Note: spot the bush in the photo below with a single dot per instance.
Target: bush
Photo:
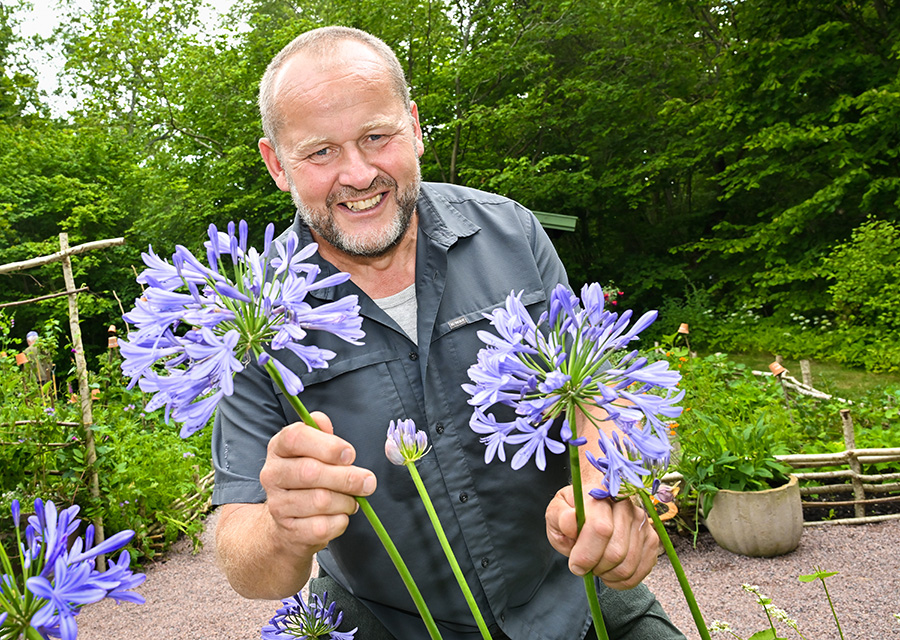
(865, 289)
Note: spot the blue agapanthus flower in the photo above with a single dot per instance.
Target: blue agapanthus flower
(573, 358)
(59, 579)
(202, 326)
(297, 619)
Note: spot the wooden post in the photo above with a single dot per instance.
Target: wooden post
(806, 373)
(84, 391)
(859, 493)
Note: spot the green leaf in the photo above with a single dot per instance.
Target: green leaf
(818, 575)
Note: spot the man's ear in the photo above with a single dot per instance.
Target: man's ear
(417, 129)
(273, 164)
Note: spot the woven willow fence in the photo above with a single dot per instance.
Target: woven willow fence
(864, 489)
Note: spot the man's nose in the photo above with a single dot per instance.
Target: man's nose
(357, 170)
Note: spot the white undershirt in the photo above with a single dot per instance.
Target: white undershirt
(402, 308)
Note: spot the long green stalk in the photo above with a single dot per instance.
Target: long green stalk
(831, 604)
(445, 545)
(676, 564)
(389, 546)
(373, 519)
(590, 586)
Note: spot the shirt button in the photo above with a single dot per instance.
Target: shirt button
(485, 561)
(502, 617)
(463, 496)
(413, 355)
(439, 427)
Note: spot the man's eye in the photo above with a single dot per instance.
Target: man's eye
(321, 153)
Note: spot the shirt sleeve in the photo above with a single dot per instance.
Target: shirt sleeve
(547, 259)
(244, 424)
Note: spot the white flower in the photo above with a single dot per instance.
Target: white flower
(718, 626)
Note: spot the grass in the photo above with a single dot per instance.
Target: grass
(826, 376)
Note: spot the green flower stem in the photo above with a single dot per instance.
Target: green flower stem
(401, 568)
(590, 587)
(831, 604)
(676, 564)
(32, 634)
(366, 508)
(445, 545)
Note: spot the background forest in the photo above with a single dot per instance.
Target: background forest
(733, 163)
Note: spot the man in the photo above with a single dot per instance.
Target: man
(38, 364)
(427, 261)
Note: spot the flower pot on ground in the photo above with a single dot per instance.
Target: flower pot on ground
(758, 523)
(735, 454)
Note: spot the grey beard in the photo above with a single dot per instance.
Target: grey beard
(323, 222)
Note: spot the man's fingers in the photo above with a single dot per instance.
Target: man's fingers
(562, 525)
(314, 531)
(309, 473)
(297, 505)
(302, 457)
(299, 440)
(632, 553)
(594, 539)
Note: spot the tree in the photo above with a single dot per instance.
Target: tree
(806, 113)
(18, 86)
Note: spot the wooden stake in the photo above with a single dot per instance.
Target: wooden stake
(869, 519)
(84, 391)
(60, 255)
(850, 442)
(41, 298)
(806, 373)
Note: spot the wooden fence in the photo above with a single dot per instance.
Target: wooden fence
(866, 489)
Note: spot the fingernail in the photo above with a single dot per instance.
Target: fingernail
(346, 456)
(369, 485)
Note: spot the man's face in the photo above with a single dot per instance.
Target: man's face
(348, 150)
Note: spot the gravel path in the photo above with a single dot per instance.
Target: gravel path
(187, 597)
(866, 592)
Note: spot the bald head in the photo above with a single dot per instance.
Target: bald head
(323, 48)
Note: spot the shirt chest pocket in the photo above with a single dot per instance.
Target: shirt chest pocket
(361, 393)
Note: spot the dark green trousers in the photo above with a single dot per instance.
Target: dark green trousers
(627, 615)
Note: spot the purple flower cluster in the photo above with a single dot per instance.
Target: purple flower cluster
(60, 579)
(579, 363)
(206, 334)
(296, 619)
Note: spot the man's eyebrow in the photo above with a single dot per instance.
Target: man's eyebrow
(380, 123)
(311, 142)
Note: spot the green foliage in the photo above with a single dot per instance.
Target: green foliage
(731, 430)
(865, 289)
(147, 472)
(717, 452)
(721, 149)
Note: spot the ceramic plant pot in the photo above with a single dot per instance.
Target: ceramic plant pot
(758, 523)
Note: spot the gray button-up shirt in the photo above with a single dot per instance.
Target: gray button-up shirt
(473, 249)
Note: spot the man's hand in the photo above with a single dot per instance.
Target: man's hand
(266, 549)
(618, 543)
(310, 484)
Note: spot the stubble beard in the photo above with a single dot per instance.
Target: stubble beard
(370, 245)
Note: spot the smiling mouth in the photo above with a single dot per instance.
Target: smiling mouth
(363, 205)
